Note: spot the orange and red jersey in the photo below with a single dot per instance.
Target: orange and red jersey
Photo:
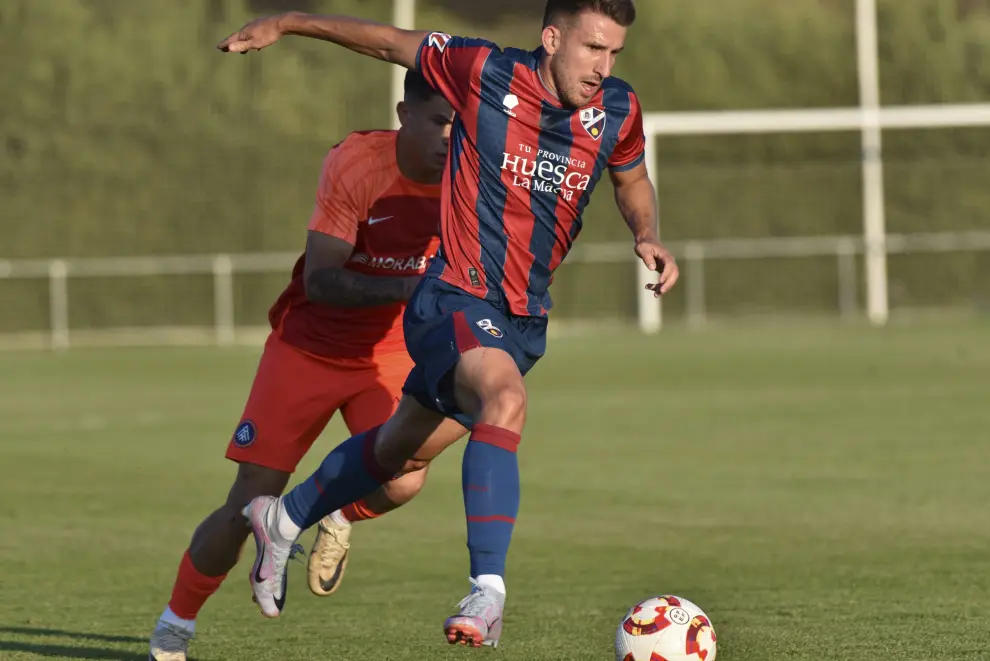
(393, 224)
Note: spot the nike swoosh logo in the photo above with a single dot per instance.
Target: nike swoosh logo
(257, 571)
(328, 585)
(372, 221)
(280, 602)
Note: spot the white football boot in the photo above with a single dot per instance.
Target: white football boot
(269, 573)
(169, 642)
(479, 621)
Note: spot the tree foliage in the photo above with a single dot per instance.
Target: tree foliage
(123, 131)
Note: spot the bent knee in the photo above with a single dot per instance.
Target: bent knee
(404, 434)
(506, 407)
(404, 488)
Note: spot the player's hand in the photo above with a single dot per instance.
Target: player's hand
(658, 258)
(258, 34)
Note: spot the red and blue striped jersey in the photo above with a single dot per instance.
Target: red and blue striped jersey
(520, 169)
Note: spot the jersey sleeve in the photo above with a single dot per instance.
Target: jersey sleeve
(450, 65)
(631, 148)
(341, 198)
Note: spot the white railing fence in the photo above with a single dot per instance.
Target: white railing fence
(692, 255)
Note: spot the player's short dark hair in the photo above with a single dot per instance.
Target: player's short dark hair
(416, 89)
(622, 12)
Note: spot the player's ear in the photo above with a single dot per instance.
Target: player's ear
(402, 110)
(551, 39)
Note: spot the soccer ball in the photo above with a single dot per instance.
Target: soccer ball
(665, 628)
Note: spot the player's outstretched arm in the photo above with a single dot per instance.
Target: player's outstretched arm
(384, 42)
(328, 282)
(637, 202)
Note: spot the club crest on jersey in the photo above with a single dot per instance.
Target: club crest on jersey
(593, 121)
(245, 434)
(487, 326)
(439, 40)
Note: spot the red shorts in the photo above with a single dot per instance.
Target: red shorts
(296, 393)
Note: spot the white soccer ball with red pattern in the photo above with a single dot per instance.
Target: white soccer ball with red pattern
(665, 628)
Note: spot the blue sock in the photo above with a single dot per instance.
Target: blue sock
(490, 479)
(349, 473)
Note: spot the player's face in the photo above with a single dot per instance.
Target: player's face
(427, 125)
(583, 52)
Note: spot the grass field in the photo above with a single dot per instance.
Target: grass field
(823, 492)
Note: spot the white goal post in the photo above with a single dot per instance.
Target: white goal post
(403, 16)
(870, 122)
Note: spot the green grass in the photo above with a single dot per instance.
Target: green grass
(822, 492)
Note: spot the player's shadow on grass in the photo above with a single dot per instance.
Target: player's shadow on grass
(69, 651)
(66, 652)
(36, 631)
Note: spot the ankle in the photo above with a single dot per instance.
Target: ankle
(169, 617)
(493, 581)
(287, 528)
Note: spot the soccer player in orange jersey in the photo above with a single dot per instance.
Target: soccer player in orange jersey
(336, 344)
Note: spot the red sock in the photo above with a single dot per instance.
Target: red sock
(192, 589)
(359, 511)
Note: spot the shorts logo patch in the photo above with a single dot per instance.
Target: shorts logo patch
(245, 434)
(439, 40)
(487, 326)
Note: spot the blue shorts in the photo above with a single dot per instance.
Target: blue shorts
(442, 322)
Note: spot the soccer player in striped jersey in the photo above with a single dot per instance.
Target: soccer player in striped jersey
(533, 134)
